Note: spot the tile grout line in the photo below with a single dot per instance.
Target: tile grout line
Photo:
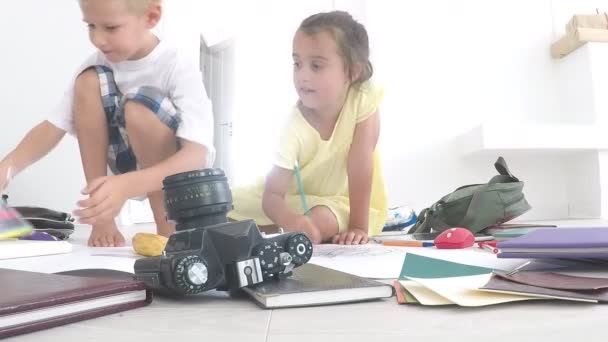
(268, 326)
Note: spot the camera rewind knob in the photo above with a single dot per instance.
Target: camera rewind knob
(191, 274)
(299, 247)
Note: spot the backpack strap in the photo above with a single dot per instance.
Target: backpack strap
(422, 222)
(504, 176)
(474, 207)
(427, 220)
(503, 169)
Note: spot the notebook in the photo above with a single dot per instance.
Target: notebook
(511, 230)
(512, 233)
(11, 249)
(34, 301)
(312, 285)
(588, 242)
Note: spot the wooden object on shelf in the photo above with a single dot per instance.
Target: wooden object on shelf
(576, 39)
(593, 21)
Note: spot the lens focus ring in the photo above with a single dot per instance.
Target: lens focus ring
(197, 198)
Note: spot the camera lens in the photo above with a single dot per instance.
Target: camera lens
(196, 199)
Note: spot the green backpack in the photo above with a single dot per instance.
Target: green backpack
(476, 206)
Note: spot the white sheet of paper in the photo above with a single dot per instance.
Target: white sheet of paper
(369, 261)
(116, 258)
(11, 249)
(83, 256)
(385, 262)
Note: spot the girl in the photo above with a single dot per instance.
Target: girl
(326, 180)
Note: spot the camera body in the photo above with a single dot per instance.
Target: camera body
(208, 252)
(225, 257)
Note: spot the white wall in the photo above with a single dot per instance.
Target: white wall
(42, 43)
(451, 65)
(264, 93)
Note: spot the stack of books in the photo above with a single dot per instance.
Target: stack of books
(34, 301)
(554, 263)
(558, 243)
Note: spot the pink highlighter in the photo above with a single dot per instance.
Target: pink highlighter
(12, 225)
(454, 238)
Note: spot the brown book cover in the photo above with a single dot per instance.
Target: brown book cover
(558, 281)
(32, 301)
(498, 283)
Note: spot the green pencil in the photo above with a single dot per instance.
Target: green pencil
(301, 189)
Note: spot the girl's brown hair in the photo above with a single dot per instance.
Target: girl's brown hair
(350, 36)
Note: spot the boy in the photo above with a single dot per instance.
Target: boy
(136, 106)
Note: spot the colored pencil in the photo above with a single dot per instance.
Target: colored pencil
(408, 243)
(301, 189)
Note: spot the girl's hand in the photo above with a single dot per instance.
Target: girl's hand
(353, 236)
(107, 195)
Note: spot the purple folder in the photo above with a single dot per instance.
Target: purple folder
(567, 243)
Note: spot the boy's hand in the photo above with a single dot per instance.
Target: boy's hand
(6, 175)
(107, 195)
(353, 236)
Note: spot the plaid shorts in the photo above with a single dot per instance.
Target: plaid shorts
(121, 158)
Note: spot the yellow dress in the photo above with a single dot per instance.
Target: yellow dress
(323, 166)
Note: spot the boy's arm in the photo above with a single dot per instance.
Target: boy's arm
(360, 172)
(37, 143)
(274, 206)
(108, 194)
(190, 156)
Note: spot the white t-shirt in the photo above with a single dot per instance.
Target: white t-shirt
(175, 75)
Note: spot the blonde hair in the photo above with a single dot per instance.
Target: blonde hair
(350, 36)
(136, 6)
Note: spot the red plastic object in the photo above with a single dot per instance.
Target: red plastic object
(454, 238)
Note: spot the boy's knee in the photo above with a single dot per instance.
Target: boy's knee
(139, 116)
(134, 111)
(149, 103)
(87, 81)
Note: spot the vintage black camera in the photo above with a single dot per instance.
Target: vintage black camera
(208, 252)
